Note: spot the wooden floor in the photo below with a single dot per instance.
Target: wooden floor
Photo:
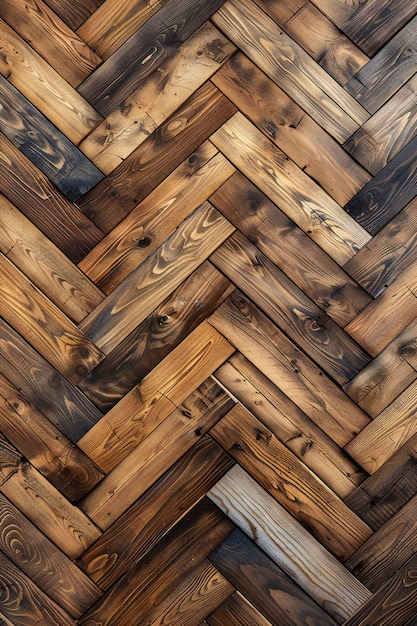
(208, 311)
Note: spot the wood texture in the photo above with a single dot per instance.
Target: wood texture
(208, 314)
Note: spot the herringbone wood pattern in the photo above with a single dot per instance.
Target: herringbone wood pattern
(208, 341)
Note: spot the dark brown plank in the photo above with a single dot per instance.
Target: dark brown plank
(65, 406)
(163, 330)
(274, 594)
(237, 611)
(32, 193)
(144, 51)
(175, 140)
(152, 578)
(144, 524)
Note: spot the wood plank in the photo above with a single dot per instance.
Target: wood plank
(50, 332)
(114, 22)
(386, 376)
(45, 265)
(390, 488)
(38, 25)
(275, 595)
(156, 218)
(262, 343)
(338, 11)
(394, 603)
(374, 23)
(44, 563)
(37, 198)
(62, 522)
(176, 140)
(62, 463)
(152, 457)
(65, 406)
(44, 145)
(318, 36)
(74, 12)
(305, 323)
(290, 482)
(237, 611)
(146, 108)
(378, 441)
(290, 425)
(134, 61)
(24, 602)
(160, 333)
(392, 66)
(185, 606)
(380, 139)
(152, 578)
(388, 254)
(301, 199)
(282, 120)
(44, 87)
(162, 272)
(152, 515)
(262, 222)
(291, 68)
(387, 550)
(289, 544)
(387, 193)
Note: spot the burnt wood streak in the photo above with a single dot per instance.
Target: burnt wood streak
(208, 313)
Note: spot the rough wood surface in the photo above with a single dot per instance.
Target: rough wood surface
(208, 313)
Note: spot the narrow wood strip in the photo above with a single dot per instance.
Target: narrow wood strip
(290, 482)
(378, 441)
(45, 265)
(287, 64)
(301, 199)
(162, 272)
(305, 323)
(44, 145)
(152, 578)
(24, 603)
(49, 331)
(288, 368)
(134, 61)
(176, 140)
(290, 425)
(157, 396)
(387, 550)
(290, 128)
(74, 12)
(390, 488)
(374, 23)
(44, 563)
(380, 139)
(62, 463)
(394, 603)
(387, 193)
(149, 106)
(152, 515)
(265, 585)
(392, 66)
(114, 22)
(289, 544)
(157, 452)
(37, 198)
(153, 340)
(386, 376)
(237, 611)
(145, 229)
(65, 406)
(388, 254)
(262, 222)
(198, 595)
(44, 87)
(38, 25)
(62, 522)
